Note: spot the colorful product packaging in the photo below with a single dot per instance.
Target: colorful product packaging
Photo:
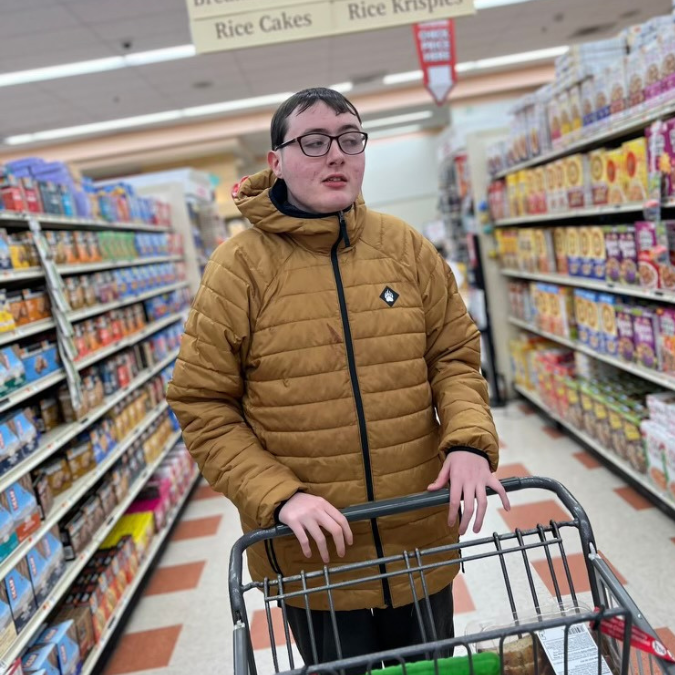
(608, 324)
(652, 251)
(612, 254)
(645, 331)
(629, 257)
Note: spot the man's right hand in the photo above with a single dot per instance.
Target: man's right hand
(309, 515)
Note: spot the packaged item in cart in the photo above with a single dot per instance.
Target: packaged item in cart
(24, 507)
(655, 441)
(629, 257)
(635, 170)
(613, 254)
(20, 594)
(64, 637)
(608, 324)
(577, 181)
(652, 250)
(599, 181)
(645, 331)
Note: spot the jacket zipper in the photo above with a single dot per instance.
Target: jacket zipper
(356, 389)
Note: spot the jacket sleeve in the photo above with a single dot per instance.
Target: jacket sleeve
(207, 388)
(453, 360)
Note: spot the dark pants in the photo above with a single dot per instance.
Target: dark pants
(365, 631)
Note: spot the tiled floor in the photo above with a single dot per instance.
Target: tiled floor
(182, 624)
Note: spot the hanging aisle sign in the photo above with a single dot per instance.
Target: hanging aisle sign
(435, 41)
(220, 25)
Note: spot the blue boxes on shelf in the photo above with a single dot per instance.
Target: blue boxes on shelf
(20, 595)
(64, 636)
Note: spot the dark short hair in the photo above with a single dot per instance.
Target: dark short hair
(304, 100)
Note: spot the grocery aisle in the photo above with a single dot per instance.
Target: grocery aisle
(182, 622)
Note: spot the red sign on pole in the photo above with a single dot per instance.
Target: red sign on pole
(435, 41)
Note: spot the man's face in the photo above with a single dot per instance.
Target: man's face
(308, 178)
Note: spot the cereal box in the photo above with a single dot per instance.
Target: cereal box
(561, 185)
(587, 102)
(560, 247)
(540, 203)
(512, 195)
(635, 76)
(653, 80)
(593, 314)
(585, 252)
(602, 91)
(532, 206)
(635, 170)
(573, 251)
(645, 332)
(616, 83)
(581, 310)
(667, 40)
(598, 253)
(629, 259)
(523, 192)
(576, 119)
(652, 250)
(526, 250)
(660, 159)
(666, 338)
(655, 448)
(608, 326)
(577, 181)
(554, 122)
(561, 304)
(543, 247)
(599, 183)
(615, 176)
(613, 254)
(550, 188)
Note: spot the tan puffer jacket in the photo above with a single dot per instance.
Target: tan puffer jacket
(313, 358)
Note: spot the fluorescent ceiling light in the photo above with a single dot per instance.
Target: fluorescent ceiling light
(399, 131)
(342, 87)
(144, 120)
(97, 65)
(400, 78)
(398, 119)
(491, 4)
(481, 64)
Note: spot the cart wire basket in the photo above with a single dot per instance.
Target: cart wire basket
(526, 630)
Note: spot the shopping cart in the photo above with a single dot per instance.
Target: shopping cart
(609, 618)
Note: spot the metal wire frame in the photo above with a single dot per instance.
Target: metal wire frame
(607, 593)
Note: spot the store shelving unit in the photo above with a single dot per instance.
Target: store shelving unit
(617, 464)
(154, 551)
(663, 380)
(74, 568)
(50, 443)
(597, 136)
(591, 212)
(591, 284)
(88, 312)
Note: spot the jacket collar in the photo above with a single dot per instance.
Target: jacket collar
(263, 200)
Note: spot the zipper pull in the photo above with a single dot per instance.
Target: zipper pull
(343, 229)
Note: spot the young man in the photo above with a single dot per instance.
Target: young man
(319, 348)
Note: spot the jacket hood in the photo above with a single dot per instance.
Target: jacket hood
(261, 198)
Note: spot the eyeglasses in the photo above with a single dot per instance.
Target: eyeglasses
(318, 145)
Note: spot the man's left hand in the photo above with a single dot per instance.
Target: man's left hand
(469, 475)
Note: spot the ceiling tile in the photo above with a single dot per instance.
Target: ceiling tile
(36, 21)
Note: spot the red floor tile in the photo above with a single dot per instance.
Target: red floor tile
(197, 527)
(205, 492)
(552, 432)
(145, 650)
(512, 471)
(634, 498)
(175, 578)
(526, 409)
(578, 572)
(587, 460)
(528, 516)
(461, 596)
(260, 634)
